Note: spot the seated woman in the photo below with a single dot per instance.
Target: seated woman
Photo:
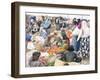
(70, 56)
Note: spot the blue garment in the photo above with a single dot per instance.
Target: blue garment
(46, 24)
(28, 37)
(43, 34)
(75, 43)
(33, 17)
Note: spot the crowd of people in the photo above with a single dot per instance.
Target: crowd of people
(57, 40)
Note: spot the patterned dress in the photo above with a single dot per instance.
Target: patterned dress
(84, 50)
(85, 47)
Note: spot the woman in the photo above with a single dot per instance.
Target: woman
(84, 37)
(75, 42)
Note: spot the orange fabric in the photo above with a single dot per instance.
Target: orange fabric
(55, 50)
(69, 34)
